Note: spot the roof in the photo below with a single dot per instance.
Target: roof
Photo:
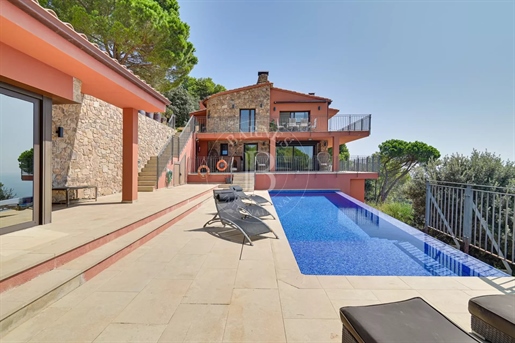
(49, 19)
(236, 90)
(303, 94)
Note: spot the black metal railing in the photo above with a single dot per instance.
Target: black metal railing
(474, 216)
(212, 161)
(233, 124)
(351, 122)
(295, 163)
(186, 133)
(371, 164)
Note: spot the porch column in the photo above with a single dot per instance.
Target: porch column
(272, 153)
(130, 155)
(336, 153)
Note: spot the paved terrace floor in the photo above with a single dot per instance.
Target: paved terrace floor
(188, 285)
(81, 223)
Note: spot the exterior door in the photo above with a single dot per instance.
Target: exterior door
(249, 154)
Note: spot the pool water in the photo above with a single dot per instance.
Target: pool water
(333, 234)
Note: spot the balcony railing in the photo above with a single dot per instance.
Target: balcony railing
(370, 164)
(350, 123)
(295, 163)
(233, 124)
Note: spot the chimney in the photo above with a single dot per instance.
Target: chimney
(262, 77)
(311, 93)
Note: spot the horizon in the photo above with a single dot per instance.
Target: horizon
(449, 85)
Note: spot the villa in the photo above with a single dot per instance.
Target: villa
(278, 139)
(148, 266)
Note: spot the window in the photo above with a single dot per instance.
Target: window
(284, 117)
(248, 120)
(224, 149)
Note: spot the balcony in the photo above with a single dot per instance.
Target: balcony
(352, 122)
(233, 125)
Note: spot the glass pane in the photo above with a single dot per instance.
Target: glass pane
(17, 161)
(244, 120)
(250, 153)
(284, 117)
(252, 121)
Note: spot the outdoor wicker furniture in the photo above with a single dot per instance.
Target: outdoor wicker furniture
(411, 320)
(493, 317)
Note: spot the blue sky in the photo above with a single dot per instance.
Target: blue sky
(441, 72)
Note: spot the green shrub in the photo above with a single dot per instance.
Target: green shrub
(399, 210)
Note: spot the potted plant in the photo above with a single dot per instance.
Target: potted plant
(169, 177)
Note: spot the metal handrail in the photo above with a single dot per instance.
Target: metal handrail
(163, 158)
(370, 164)
(350, 123)
(186, 133)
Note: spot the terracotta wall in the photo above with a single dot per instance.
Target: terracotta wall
(321, 114)
(350, 183)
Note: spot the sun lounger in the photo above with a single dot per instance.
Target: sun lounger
(411, 320)
(493, 317)
(252, 208)
(232, 215)
(252, 197)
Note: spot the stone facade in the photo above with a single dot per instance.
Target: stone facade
(223, 111)
(90, 153)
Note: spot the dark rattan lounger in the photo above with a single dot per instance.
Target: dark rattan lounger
(493, 317)
(412, 320)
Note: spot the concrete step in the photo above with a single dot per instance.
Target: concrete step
(146, 183)
(148, 173)
(147, 177)
(25, 301)
(146, 188)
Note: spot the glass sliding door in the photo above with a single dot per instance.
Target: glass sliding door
(297, 157)
(18, 176)
(247, 120)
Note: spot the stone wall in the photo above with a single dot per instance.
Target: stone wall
(91, 150)
(222, 117)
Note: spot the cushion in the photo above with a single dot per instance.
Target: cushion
(497, 310)
(226, 196)
(412, 320)
(237, 188)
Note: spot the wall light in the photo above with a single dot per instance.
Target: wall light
(60, 132)
(274, 108)
(319, 108)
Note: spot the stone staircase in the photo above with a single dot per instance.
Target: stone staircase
(245, 180)
(147, 177)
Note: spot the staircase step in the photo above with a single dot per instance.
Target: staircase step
(146, 188)
(147, 177)
(25, 301)
(151, 183)
(148, 173)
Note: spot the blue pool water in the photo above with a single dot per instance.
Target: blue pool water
(333, 234)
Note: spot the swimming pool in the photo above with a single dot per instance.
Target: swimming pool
(331, 233)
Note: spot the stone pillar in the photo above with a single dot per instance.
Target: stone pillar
(272, 153)
(336, 153)
(130, 155)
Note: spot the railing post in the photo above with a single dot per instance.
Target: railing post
(428, 207)
(467, 219)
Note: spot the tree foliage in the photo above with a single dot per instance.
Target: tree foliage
(6, 193)
(201, 88)
(182, 104)
(185, 98)
(147, 36)
(398, 158)
(343, 154)
(26, 161)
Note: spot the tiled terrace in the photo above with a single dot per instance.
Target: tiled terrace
(187, 285)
